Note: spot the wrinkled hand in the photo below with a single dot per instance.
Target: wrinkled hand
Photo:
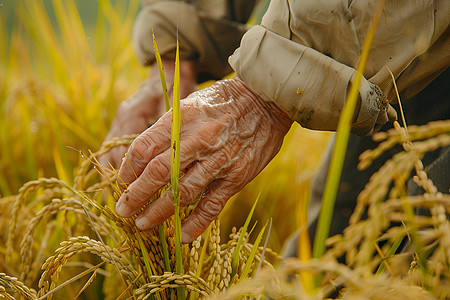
(228, 135)
(146, 106)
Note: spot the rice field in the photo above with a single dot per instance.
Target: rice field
(61, 80)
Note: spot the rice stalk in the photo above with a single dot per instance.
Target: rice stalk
(173, 280)
(47, 211)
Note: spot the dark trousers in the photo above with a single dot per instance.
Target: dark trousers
(432, 103)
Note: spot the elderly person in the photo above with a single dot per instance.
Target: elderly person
(296, 66)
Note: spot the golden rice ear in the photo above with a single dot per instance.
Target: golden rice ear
(72, 207)
(16, 286)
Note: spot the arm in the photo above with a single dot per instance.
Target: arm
(233, 129)
(304, 55)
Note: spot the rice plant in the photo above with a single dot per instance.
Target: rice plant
(141, 264)
(73, 209)
(393, 253)
(60, 237)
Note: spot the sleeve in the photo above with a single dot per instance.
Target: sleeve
(304, 56)
(208, 32)
(308, 85)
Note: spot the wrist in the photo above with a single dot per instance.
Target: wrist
(282, 118)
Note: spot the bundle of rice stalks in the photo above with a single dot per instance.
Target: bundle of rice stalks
(396, 246)
(134, 263)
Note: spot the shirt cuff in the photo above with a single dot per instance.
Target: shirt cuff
(308, 85)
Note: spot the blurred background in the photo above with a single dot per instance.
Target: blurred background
(64, 68)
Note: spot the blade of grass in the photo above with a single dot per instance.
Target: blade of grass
(146, 260)
(304, 242)
(161, 73)
(175, 168)
(265, 246)
(88, 283)
(340, 148)
(164, 248)
(235, 256)
(249, 261)
(145, 256)
(390, 252)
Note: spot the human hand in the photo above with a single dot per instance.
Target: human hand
(228, 135)
(146, 106)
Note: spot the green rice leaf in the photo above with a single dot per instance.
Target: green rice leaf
(390, 252)
(161, 73)
(146, 259)
(249, 262)
(164, 248)
(175, 168)
(235, 256)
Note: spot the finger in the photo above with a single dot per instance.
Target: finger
(154, 177)
(208, 208)
(392, 114)
(190, 186)
(144, 148)
(156, 173)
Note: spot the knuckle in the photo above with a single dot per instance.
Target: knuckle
(137, 197)
(160, 214)
(139, 149)
(211, 209)
(188, 193)
(160, 169)
(215, 164)
(201, 222)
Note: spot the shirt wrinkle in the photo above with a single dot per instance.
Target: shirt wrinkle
(403, 41)
(318, 41)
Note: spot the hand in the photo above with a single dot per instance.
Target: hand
(228, 135)
(146, 106)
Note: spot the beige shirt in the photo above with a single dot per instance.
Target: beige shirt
(208, 31)
(304, 54)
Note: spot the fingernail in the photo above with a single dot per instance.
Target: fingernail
(123, 209)
(143, 223)
(186, 238)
